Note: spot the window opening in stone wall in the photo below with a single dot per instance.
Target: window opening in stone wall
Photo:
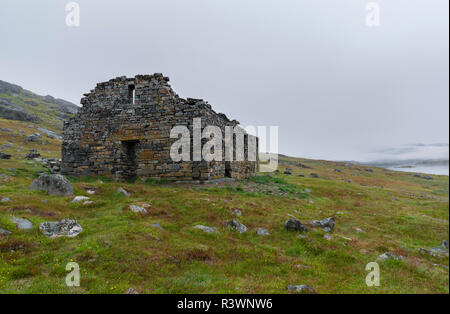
(131, 94)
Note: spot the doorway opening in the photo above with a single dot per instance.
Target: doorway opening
(227, 169)
(129, 156)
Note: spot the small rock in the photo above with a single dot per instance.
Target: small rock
(327, 236)
(5, 200)
(206, 229)
(302, 236)
(307, 190)
(237, 212)
(131, 291)
(22, 223)
(88, 203)
(4, 232)
(90, 192)
(156, 225)
(295, 225)
(444, 244)
(234, 224)
(78, 199)
(137, 209)
(359, 230)
(66, 227)
(388, 255)
(301, 289)
(123, 192)
(262, 232)
(5, 156)
(313, 175)
(32, 154)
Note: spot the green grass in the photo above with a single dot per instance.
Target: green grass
(119, 249)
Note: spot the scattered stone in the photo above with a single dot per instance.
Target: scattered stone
(5, 200)
(65, 227)
(313, 175)
(156, 225)
(123, 192)
(288, 171)
(326, 224)
(22, 223)
(262, 232)
(295, 225)
(86, 203)
(234, 224)
(327, 236)
(301, 289)
(36, 137)
(53, 184)
(90, 192)
(359, 230)
(5, 156)
(350, 181)
(388, 255)
(78, 199)
(302, 236)
(32, 154)
(337, 170)
(368, 170)
(237, 212)
(307, 190)
(444, 244)
(4, 232)
(131, 291)
(137, 209)
(206, 229)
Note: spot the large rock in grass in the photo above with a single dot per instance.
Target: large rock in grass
(295, 225)
(22, 223)
(234, 224)
(53, 184)
(63, 228)
(326, 224)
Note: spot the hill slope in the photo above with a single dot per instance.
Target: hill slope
(161, 252)
(23, 113)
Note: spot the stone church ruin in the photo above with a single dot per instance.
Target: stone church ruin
(123, 130)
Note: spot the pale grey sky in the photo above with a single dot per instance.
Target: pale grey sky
(335, 87)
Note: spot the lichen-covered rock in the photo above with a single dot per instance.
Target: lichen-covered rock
(387, 256)
(262, 232)
(53, 184)
(66, 227)
(234, 224)
(78, 199)
(301, 289)
(4, 232)
(326, 224)
(124, 192)
(206, 229)
(295, 225)
(137, 209)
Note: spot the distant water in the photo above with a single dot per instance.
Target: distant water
(423, 158)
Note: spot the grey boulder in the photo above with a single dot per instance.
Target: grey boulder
(53, 184)
(326, 224)
(22, 223)
(234, 224)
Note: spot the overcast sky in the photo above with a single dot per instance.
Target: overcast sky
(335, 87)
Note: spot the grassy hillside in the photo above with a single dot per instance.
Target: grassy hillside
(162, 252)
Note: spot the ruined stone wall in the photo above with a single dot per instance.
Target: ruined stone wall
(123, 130)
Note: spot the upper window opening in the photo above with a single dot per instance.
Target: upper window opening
(131, 94)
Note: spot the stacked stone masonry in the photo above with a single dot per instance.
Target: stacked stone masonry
(123, 131)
